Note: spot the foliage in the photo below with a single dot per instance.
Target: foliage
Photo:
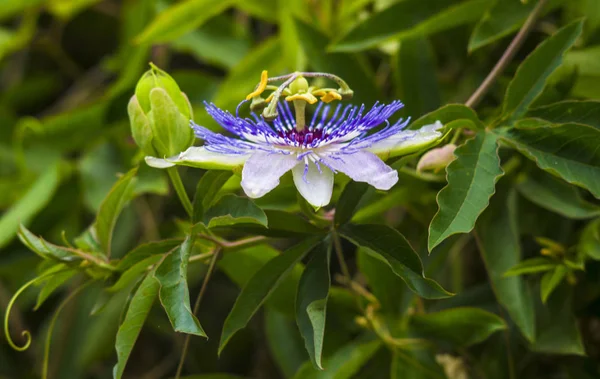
(489, 271)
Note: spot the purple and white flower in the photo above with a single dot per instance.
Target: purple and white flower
(344, 139)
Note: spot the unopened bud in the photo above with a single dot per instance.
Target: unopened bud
(437, 159)
(160, 114)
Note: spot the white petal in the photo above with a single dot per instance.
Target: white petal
(202, 158)
(364, 166)
(408, 141)
(158, 163)
(316, 187)
(262, 171)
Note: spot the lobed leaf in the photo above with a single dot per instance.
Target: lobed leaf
(311, 301)
(174, 293)
(111, 208)
(206, 191)
(260, 287)
(472, 178)
(344, 363)
(568, 151)
(391, 247)
(138, 310)
(557, 196)
(497, 236)
(569, 111)
(530, 79)
(459, 326)
(231, 209)
(410, 18)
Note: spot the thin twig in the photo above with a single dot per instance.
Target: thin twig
(337, 245)
(507, 56)
(211, 268)
(227, 245)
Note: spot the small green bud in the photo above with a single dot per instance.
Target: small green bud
(157, 78)
(160, 114)
(170, 128)
(140, 126)
(300, 85)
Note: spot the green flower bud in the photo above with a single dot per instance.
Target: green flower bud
(140, 127)
(160, 114)
(157, 78)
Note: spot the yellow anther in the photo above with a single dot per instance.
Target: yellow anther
(261, 86)
(268, 99)
(308, 97)
(331, 96)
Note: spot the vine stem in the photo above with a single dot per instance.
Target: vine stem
(508, 55)
(186, 343)
(72, 295)
(178, 185)
(337, 245)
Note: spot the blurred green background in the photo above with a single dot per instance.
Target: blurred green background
(69, 67)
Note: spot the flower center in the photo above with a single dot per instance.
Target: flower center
(304, 137)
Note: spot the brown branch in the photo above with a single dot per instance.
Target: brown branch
(507, 56)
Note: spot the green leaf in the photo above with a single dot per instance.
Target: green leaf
(386, 286)
(217, 42)
(54, 282)
(138, 310)
(447, 114)
(347, 66)
(409, 18)
(501, 19)
(589, 243)
(472, 178)
(146, 250)
(531, 266)
(415, 364)
(392, 248)
(260, 287)
(231, 210)
(557, 328)
(284, 224)
(344, 364)
(32, 202)
(557, 196)
(206, 191)
(284, 341)
(348, 202)
(551, 280)
(181, 18)
(460, 326)
(565, 150)
(569, 111)
(134, 272)
(48, 250)
(240, 266)
(530, 78)
(311, 301)
(174, 293)
(111, 208)
(497, 236)
(415, 74)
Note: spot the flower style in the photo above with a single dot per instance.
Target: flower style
(349, 140)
